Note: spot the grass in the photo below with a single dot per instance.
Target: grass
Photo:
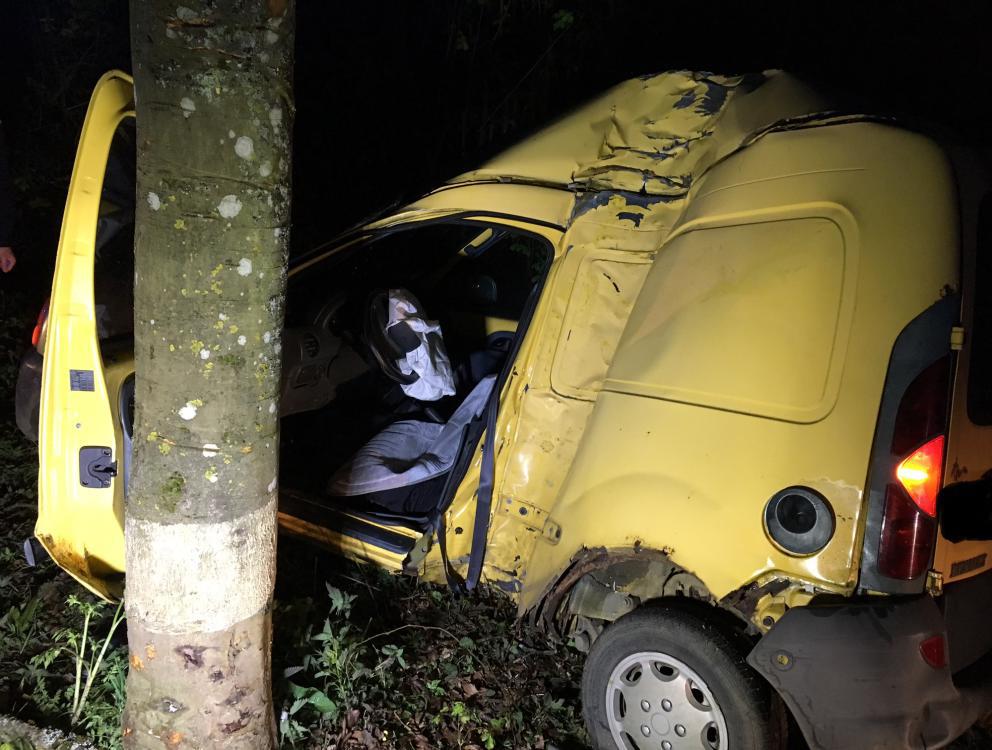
(385, 662)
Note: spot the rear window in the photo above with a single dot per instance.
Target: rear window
(980, 374)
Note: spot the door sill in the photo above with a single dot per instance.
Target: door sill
(353, 533)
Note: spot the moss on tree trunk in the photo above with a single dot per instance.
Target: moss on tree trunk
(213, 87)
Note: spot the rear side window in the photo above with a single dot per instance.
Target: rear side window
(980, 374)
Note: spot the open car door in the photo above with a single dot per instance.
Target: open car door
(80, 491)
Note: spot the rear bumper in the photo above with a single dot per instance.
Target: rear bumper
(853, 674)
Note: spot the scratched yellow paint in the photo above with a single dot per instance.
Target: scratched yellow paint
(715, 326)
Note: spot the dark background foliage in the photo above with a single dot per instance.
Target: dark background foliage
(394, 97)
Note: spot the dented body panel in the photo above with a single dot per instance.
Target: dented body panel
(786, 396)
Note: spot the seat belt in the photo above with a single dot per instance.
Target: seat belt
(484, 496)
(455, 582)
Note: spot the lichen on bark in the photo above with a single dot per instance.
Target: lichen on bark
(213, 89)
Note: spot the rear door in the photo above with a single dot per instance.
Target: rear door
(964, 548)
(80, 496)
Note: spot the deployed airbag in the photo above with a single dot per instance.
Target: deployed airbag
(409, 452)
(428, 359)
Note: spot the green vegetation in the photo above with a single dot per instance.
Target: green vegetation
(394, 664)
(89, 700)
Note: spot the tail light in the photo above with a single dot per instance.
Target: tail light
(934, 652)
(920, 475)
(909, 521)
(38, 334)
(907, 537)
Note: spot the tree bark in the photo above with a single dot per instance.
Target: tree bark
(213, 95)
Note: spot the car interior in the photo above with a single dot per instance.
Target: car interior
(356, 432)
(452, 295)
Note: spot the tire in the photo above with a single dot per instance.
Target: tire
(667, 678)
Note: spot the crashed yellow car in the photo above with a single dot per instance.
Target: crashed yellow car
(700, 375)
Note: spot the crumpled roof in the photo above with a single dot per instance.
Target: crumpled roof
(653, 135)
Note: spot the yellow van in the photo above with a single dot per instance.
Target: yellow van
(701, 375)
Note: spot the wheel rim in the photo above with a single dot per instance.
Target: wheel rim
(654, 700)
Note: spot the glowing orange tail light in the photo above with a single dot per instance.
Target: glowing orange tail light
(920, 474)
(913, 472)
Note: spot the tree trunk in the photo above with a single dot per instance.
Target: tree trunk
(213, 93)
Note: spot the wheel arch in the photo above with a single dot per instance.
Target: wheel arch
(601, 585)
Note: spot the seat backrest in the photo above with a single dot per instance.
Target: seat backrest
(409, 452)
(450, 437)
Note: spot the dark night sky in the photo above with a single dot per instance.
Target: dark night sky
(397, 95)
(393, 97)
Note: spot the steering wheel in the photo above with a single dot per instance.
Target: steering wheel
(388, 345)
(327, 317)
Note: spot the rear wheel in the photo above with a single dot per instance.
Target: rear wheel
(668, 679)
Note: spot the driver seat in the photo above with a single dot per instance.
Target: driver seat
(408, 452)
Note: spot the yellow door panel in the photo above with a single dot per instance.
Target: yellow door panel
(82, 526)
